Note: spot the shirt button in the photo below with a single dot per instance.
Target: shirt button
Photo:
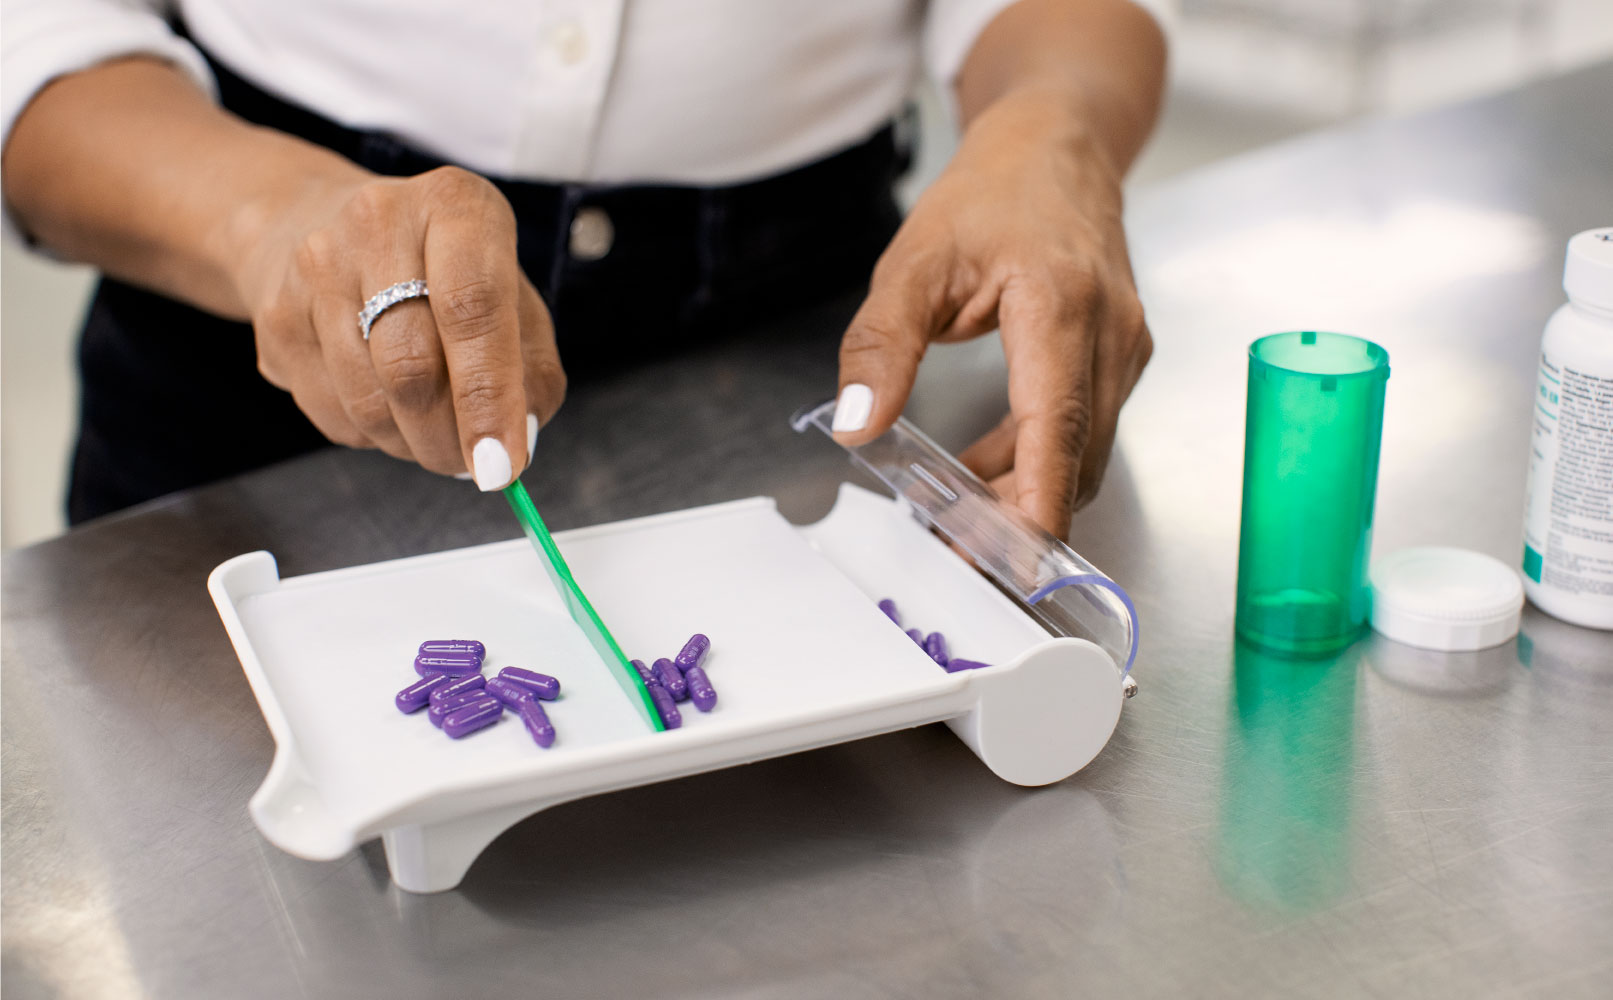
(591, 234)
(569, 43)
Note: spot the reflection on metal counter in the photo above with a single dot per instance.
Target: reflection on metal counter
(1286, 793)
(1469, 674)
(1566, 656)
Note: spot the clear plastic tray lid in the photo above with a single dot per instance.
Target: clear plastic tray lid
(1067, 594)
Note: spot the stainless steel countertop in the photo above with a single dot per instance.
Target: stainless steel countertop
(1394, 823)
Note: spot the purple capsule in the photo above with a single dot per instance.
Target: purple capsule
(936, 645)
(643, 671)
(916, 636)
(701, 692)
(957, 663)
(665, 706)
(474, 716)
(889, 607)
(692, 653)
(453, 647)
(509, 692)
(542, 685)
(537, 722)
(456, 665)
(456, 686)
(669, 677)
(414, 697)
(448, 706)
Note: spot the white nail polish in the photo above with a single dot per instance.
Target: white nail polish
(531, 435)
(464, 476)
(855, 405)
(491, 464)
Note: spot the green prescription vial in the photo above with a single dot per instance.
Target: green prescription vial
(1310, 471)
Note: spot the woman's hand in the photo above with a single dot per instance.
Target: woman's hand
(1022, 232)
(250, 223)
(459, 380)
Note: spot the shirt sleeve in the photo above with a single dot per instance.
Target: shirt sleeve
(951, 27)
(41, 40)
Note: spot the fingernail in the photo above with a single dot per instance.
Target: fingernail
(491, 464)
(463, 475)
(531, 435)
(856, 403)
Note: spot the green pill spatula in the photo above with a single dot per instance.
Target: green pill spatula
(576, 602)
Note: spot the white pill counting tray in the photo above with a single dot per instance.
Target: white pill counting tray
(801, 657)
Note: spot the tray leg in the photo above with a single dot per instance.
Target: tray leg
(434, 857)
(1045, 717)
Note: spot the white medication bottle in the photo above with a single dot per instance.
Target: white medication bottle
(1568, 512)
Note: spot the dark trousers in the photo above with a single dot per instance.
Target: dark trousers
(171, 396)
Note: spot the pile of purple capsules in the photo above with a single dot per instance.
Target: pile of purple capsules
(681, 678)
(935, 644)
(460, 701)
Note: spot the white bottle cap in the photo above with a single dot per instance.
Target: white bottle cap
(1445, 599)
(1588, 272)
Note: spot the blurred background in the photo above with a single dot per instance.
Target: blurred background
(1245, 73)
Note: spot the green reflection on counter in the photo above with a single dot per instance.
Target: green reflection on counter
(1289, 762)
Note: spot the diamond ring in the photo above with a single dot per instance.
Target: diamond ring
(385, 299)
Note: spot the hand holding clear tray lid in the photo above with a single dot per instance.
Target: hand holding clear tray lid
(1064, 592)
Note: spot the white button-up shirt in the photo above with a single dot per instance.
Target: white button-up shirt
(608, 91)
